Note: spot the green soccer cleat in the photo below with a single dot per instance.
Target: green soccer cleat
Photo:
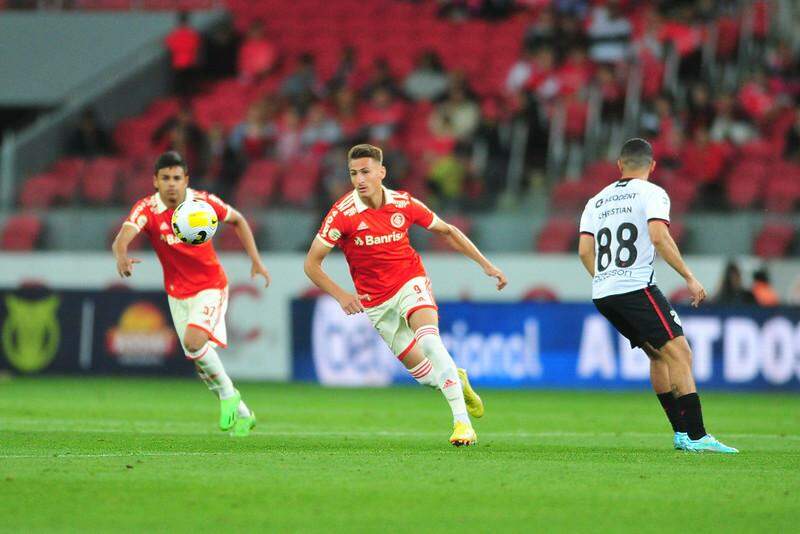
(244, 425)
(679, 440)
(708, 443)
(228, 411)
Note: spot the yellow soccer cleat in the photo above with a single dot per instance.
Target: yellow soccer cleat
(463, 434)
(473, 400)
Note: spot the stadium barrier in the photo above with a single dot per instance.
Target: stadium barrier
(536, 345)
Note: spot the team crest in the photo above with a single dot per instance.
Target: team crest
(334, 234)
(398, 220)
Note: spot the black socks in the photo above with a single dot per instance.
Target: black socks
(689, 406)
(670, 405)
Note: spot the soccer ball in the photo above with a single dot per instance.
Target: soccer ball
(194, 222)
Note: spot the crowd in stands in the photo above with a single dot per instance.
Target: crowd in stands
(250, 109)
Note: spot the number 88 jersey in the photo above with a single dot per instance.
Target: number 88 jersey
(618, 218)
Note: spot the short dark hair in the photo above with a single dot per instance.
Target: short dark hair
(365, 151)
(170, 159)
(636, 153)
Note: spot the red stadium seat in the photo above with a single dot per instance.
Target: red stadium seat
(540, 294)
(21, 232)
(299, 182)
(774, 240)
(228, 239)
(40, 191)
(558, 235)
(678, 231)
(258, 184)
(462, 222)
(100, 180)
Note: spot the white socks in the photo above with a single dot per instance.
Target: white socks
(445, 374)
(423, 373)
(211, 371)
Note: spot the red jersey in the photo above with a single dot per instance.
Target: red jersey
(188, 269)
(375, 241)
(184, 44)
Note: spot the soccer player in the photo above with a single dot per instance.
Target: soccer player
(371, 226)
(196, 285)
(622, 228)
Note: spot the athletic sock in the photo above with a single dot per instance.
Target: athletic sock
(692, 415)
(211, 371)
(670, 405)
(243, 410)
(423, 373)
(444, 370)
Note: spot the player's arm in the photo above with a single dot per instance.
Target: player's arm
(460, 242)
(668, 249)
(119, 247)
(313, 268)
(245, 234)
(586, 252)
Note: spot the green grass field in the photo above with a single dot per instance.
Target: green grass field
(144, 455)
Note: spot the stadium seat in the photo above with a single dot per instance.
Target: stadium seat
(558, 235)
(100, 180)
(40, 191)
(258, 184)
(678, 231)
(228, 240)
(299, 182)
(774, 240)
(21, 232)
(540, 294)
(745, 183)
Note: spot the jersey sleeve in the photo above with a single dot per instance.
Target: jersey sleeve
(587, 221)
(139, 217)
(334, 227)
(421, 214)
(222, 209)
(657, 206)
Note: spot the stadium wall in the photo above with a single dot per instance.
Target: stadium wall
(264, 339)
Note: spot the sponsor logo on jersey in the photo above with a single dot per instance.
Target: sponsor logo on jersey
(362, 226)
(350, 212)
(334, 234)
(164, 227)
(328, 222)
(401, 203)
(615, 198)
(141, 221)
(171, 239)
(398, 220)
(371, 240)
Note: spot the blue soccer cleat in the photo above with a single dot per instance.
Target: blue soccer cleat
(679, 440)
(708, 443)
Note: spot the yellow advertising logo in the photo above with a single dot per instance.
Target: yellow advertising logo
(31, 333)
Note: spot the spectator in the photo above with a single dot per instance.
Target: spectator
(345, 73)
(89, 139)
(428, 81)
(383, 116)
(727, 127)
(755, 98)
(257, 56)
(224, 166)
(609, 33)
(520, 72)
(700, 111)
(302, 83)
(222, 51)
(347, 115)
(732, 292)
(321, 131)
(459, 115)
(791, 149)
(542, 33)
(289, 145)
(183, 44)
(575, 73)
(703, 160)
(544, 82)
(492, 147)
(763, 293)
(254, 137)
(334, 173)
(449, 173)
(182, 133)
(381, 78)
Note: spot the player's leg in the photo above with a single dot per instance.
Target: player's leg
(425, 324)
(659, 379)
(418, 366)
(663, 330)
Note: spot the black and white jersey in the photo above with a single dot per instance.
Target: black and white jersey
(618, 218)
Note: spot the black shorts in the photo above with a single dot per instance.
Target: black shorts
(642, 316)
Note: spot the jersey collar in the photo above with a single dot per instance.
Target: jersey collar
(360, 206)
(161, 207)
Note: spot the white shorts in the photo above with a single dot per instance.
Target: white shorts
(205, 311)
(390, 318)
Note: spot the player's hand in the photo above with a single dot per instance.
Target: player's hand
(494, 272)
(697, 291)
(351, 304)
(125, 266)
(259, 269)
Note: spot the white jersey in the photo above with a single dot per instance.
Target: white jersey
(618, 218)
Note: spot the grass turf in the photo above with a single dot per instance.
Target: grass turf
(144, 455)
